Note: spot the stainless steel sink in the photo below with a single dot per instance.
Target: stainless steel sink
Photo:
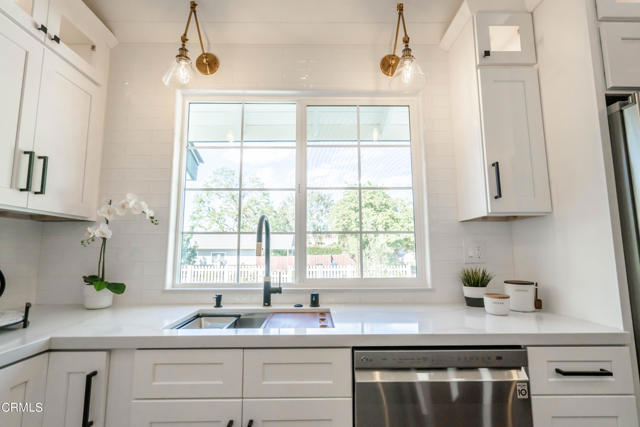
(224, 321)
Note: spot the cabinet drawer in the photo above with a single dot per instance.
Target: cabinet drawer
(297, 412)
(197, 413)
(187, 373)
(621, 53)
(618, 10)
(584, 411)
(310, 372)
(578, 362)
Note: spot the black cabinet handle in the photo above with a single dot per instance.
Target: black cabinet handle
(486, 53)
(230, 423)
(55, 38)
(496, 165)
(87, 399)
(250, 423)
(43, 179)
(599, 373)
(29, 170)
(43, 28)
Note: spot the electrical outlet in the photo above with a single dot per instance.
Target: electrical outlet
(474, 252)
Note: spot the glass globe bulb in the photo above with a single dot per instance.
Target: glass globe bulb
(180, 72)
(408, 76)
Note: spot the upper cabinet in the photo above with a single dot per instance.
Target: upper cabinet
(618, 10)
(52, 111)
(501, 161)
(504, 38)
(621, 53)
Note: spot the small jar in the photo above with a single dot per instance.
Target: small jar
(497, 304)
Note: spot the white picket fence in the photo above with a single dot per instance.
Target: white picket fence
(255, 274)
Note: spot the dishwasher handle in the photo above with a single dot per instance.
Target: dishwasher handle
(451, 375)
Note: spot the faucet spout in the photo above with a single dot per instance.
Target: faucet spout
(263, 223)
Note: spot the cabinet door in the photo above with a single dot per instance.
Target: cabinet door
(183, 413)
(584, 411)
(297, 412)
(619, 10)
(29, 14)
(517, 180)
(19, 85)
(24, 383)
(504, 38)
(70, 375)
(65, 134)
(621, 53)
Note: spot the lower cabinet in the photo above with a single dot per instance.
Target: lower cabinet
(187, 412)
(76, 389)
(584, 411)
(24, 384)
(297, 412)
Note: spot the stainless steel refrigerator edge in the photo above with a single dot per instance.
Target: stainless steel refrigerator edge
(624, 127)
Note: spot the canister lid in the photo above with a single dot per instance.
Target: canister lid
(497, 296)
(519, 282)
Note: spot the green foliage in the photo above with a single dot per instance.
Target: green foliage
(189, 250)
(99, 284)
(475, 277)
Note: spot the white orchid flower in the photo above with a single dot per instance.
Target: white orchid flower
(107, 211)
(131, 197)
(91, 231)
(103, 231)
(136, 207)
(149, 213)
(121, 207)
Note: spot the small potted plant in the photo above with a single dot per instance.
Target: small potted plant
(474, 284)
(98, 292)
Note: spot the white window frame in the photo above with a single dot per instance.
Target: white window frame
(302, 100)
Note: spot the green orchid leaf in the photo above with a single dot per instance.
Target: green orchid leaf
(100, 285)
(116, 288)
(90, 279)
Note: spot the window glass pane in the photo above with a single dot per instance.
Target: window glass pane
(210, 211)
(269, 168)
(333, 256)
(332, 124)
(386, 167)
(212, 168)
(388, 125)
(332, 167)
(283, 265)
(505, 38)
(274, 124)
(387, 210)
(389, 255)
(279, 206)
(208, 258)
(333, 210)
(214, 123)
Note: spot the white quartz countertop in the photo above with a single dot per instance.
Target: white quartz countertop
(71, 327)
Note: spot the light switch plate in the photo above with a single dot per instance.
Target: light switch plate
(474, 251)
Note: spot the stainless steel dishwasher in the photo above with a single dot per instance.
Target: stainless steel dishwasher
(441, 388)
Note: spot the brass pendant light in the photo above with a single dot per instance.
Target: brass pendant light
(181, 70)
(405, 72)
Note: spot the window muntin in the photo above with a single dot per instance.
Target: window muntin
(359, 153)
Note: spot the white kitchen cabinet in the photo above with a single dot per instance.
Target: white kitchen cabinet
(618, 10)
(621, 53)
(19, 85)
(301, 372)
(73, 377)
(513, 136)
(183, 413)
(297, 412)
(66, 139)
(24, 383)
(31, 15)
(584, 411)
(504, 38)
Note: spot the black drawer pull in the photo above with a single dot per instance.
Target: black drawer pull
(230, 423)
(43, 28)
(599, 373)
(87, 399)
(29, 170)
(43, 179)
(496, 165)
(55, 38)
(250, 423)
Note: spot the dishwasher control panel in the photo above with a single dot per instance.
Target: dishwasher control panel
(446, 358)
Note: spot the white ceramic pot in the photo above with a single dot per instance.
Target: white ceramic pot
(497, 304)
(522, 293)
(97, 299)
(473, 295)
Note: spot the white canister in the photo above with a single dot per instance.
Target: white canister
(497, 304)
(522, 293)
